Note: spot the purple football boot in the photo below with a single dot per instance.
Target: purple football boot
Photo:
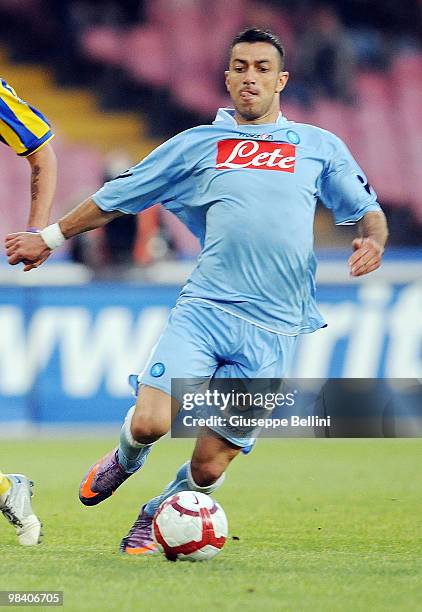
(102, 480)
(139, 540)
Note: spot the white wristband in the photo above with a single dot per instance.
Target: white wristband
(53, 236)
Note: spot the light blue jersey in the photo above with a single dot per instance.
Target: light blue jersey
(248, 192)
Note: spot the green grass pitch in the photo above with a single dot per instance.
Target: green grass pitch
(320, 525)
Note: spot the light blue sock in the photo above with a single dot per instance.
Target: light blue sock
(182, 482)
(132, 454)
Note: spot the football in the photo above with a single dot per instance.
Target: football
(190, 526)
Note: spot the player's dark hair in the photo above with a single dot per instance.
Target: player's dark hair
(252, 35)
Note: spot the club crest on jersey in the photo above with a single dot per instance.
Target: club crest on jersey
(293, 137)
(259, 155)
(157, 369)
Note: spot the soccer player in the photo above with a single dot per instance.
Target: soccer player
(247, 187)
(28, 133)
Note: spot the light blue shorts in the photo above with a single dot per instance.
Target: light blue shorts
(201, 341)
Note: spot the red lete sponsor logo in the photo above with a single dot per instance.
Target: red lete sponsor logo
(255, 154)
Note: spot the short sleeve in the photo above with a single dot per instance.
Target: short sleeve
(22, 127)
(155, 179)
(344, 188)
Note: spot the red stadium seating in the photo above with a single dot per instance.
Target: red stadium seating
(379, 137)
(335, 117)
(406, 83)
(21, 6)
(103, 44)
(145, 56)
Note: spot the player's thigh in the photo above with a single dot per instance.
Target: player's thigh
(182, 360)
(211, 456)
(258, 369)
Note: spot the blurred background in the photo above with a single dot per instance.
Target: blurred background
(115, 79)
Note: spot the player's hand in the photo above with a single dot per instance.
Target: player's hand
(31, 265)
(366, 257)
(27, 248)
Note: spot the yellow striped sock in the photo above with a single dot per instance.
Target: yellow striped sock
(5, 484)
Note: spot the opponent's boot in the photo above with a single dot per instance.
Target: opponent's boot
(139, 540)
(16, 507)
(102, 479)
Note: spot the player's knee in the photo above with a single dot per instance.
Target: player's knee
(152, 417)
(206, 473)
(148, 430)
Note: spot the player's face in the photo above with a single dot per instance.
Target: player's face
(254, 81)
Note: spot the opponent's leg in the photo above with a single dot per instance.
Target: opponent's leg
(145, 423)
(15, 504)
(204, 473)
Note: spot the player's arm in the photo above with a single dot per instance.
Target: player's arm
(43, 165)
(85, 217)
(32, 249)
(345, 190)
(153, 180)
(369, 247)
(29, 133)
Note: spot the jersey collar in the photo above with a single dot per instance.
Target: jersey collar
(226, 115)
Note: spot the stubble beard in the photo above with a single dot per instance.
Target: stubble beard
(248, 114)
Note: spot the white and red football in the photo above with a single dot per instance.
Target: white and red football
(190, 526)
